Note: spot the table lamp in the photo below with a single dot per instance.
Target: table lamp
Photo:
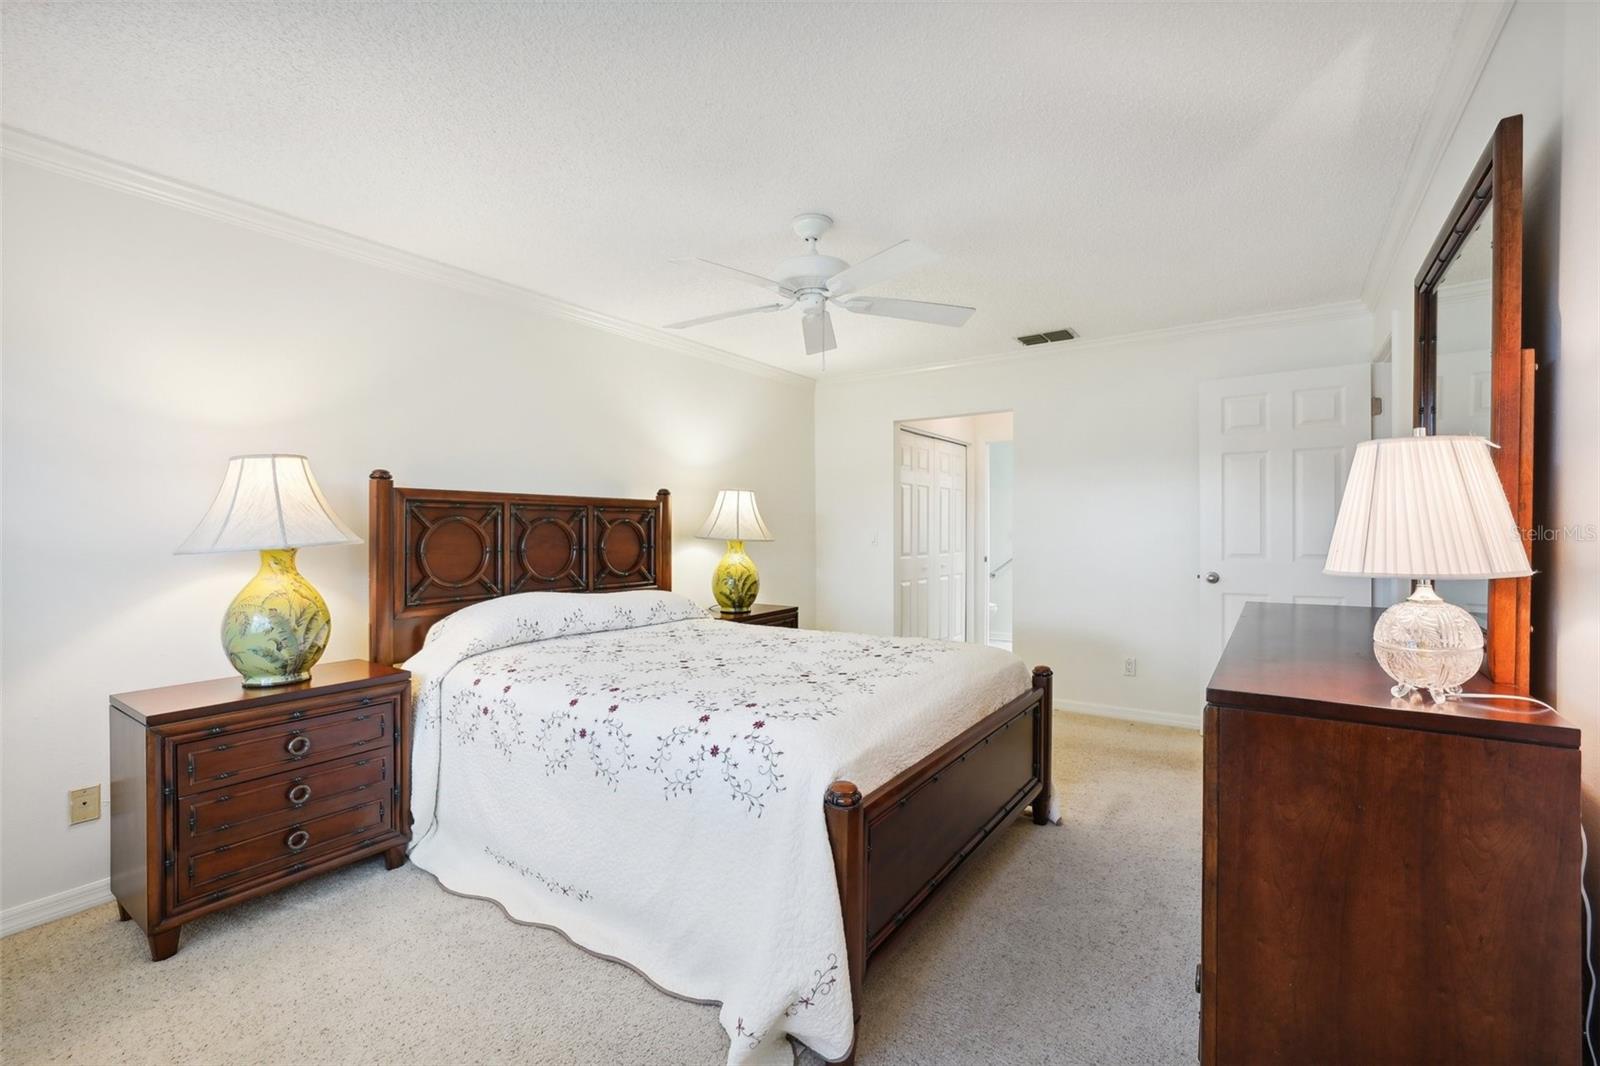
(277, 627)
(735, 519)
(1426, 508)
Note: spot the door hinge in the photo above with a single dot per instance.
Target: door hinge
(1377, 406)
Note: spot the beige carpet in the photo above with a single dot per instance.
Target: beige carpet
(1071, 944)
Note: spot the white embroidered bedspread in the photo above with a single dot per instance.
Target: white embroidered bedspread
(649, 781)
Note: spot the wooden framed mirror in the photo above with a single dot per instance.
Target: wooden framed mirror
(1472, 376)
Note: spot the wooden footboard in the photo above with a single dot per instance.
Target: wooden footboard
(894, 847)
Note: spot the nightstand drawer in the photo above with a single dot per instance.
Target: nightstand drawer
(775, 615)
(789, 620)
(257, 856)
(225, 815)
(252, 753)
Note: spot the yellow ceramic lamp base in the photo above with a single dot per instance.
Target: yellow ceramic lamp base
(736, 582)
(277, 627)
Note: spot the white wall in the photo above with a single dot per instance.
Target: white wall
(1544, 67)
(143, 344)
(1106, 512)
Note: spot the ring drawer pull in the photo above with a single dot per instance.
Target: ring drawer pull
(299, 794)
(298, 840)
(298, 745)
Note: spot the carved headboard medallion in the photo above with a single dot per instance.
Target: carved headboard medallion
(433, 551)
(549, 548)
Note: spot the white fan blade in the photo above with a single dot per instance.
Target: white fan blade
(818, 329)
(726, 314)
(914, 310)
(891, 262)
(743, 275)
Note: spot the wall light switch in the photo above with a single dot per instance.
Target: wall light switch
(1130, 667)
(83, 804)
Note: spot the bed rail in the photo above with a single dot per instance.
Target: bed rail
(895, 847)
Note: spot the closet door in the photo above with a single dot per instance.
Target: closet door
(931, 544)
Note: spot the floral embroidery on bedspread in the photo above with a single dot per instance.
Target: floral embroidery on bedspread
(552, 886)
(735, 690)
(826, 979)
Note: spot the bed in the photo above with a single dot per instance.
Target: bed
(646, 779)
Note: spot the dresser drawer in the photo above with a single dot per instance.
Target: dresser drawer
(245, 754)
(221, 868)
(226, 815)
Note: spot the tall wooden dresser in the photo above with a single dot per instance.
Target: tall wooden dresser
(1384, 881)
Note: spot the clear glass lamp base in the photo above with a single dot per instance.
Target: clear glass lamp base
(1428, 645)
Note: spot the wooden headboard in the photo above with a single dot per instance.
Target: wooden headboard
(434, 551)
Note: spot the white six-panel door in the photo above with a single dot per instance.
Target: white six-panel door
(931, 542)
(1274, 453)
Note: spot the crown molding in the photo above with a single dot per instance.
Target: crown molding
(1349, 310)
(1476, 36)
(47, 154)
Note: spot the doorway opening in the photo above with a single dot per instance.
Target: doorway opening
(953, 571)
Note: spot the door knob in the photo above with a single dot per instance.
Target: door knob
(1212, 577)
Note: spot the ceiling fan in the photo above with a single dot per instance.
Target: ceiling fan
(813, 281)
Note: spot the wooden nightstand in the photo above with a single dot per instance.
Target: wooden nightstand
(767, 614)
(220, 793)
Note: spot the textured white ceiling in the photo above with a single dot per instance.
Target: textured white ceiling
(1111, 168)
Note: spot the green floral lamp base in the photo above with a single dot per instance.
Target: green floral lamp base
(736, 582)
(277, 627)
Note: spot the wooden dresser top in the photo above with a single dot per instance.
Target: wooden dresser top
(1316, 661)
(157, 706)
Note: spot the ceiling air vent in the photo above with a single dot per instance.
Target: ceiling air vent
(1049, 337)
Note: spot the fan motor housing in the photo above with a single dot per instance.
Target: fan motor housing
(808, 271)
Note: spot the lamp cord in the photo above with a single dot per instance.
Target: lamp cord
(1583, 893)
(1588, 942)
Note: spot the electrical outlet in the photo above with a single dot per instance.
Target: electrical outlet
(83, 804)
(1130, 667)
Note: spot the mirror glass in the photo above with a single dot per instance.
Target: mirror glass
(1464, 388)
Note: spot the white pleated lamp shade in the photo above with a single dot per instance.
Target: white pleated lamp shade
(735, 516)
(267, 502)
(1426, 508)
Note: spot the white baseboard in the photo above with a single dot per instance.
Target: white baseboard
(62, 904)
(1175, 719)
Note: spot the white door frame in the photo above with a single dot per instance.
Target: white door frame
(986, 514)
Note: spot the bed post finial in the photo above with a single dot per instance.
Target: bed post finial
(1042, 681)
(381, 475)
(843, 794)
